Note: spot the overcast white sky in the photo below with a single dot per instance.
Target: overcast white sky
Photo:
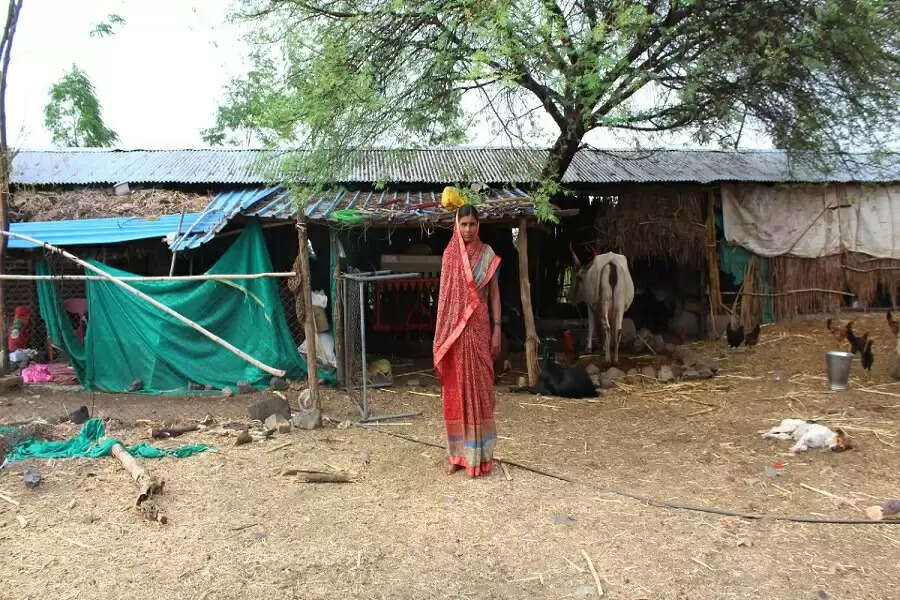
(159, 79)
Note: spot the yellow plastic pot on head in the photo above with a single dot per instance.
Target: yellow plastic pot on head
(452, 198)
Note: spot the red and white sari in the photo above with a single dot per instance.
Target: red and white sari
(462, 353)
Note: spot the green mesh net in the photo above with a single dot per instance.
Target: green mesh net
(128, 338)
(91, 443)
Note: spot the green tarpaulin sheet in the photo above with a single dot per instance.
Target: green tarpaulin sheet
(90, 443)
(128, 338)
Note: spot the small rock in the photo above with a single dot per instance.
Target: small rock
(690, 374)
(278, 423)
(258, 536)
(413, 382)
(632, 376)
(592, 369)
(597, 380)
(615, 374)
(606, 381)
(891, 508)
(260, 411)
(307, 418)
(708, 364)
(243, 438)
(687, 356)
(677, 370)
(875, 513)
(704, 373)
(523, 382)
(277, 383)
(244, 387)
(665, 374)
(227, 392)
(32, 478)
(136, 386)
(80, 416)
(823, 595)
(648, 372)
(585, 590)
(563, 520)
(659, 344)
(669, 348)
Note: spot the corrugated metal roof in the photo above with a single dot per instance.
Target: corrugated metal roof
(503, 166)
(383, 208)
(98, 231)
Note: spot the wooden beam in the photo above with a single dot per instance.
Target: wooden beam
(337, 308)
(531, 339)
(712, 255)
(310, 325)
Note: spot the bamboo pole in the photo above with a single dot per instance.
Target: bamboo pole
(200, 329)
(310, 325)
(531, 339)
(174, 251)
(205, 277)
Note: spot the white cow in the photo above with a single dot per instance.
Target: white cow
(606, 287)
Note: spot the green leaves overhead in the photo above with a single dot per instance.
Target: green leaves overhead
(72, 114)
(336, 75)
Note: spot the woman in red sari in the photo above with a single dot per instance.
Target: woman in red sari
(466, 340)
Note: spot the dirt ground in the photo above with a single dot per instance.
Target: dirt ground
(238, 529)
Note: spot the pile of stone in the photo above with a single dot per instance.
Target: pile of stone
(685, 366)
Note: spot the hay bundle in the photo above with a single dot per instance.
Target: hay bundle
(654, 224)
(752, 300)
(864, 275)
(791, 273)
(88, 203)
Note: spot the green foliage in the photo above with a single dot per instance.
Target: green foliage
(107, 28)
(337, 75)
(72, 114)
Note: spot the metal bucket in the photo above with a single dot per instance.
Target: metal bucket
(837, 366)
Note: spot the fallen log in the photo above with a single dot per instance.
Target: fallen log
(147, 484)
(164, 433)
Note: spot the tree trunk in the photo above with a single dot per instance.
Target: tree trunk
(310, 321)
(15, 7)
(561, 155)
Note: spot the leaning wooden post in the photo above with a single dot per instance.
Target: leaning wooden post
(712, 255)
(310, 321)
(337, 315)
(531, 339)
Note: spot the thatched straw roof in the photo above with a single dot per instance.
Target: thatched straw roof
(87, 203)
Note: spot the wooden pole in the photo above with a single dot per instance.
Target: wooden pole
(310, 324)
(174, 251)
(712, 255)
(337, 308)
(205, 277)
(156, 303)
(531, 339)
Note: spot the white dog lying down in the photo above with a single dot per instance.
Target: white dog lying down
(809, 435)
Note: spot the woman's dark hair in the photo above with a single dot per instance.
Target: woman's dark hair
(467, 210)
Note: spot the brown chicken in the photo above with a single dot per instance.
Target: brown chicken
(752, 338)
(838, 328)
(893, 323)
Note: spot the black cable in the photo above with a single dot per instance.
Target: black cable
(652, 501)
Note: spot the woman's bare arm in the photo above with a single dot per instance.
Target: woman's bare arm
(495, 302)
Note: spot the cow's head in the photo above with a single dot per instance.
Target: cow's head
(577, 290)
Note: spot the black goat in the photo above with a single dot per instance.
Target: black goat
(557, 380)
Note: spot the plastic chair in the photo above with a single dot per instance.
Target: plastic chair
(79, 308)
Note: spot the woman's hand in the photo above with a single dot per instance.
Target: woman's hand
(495, 342)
